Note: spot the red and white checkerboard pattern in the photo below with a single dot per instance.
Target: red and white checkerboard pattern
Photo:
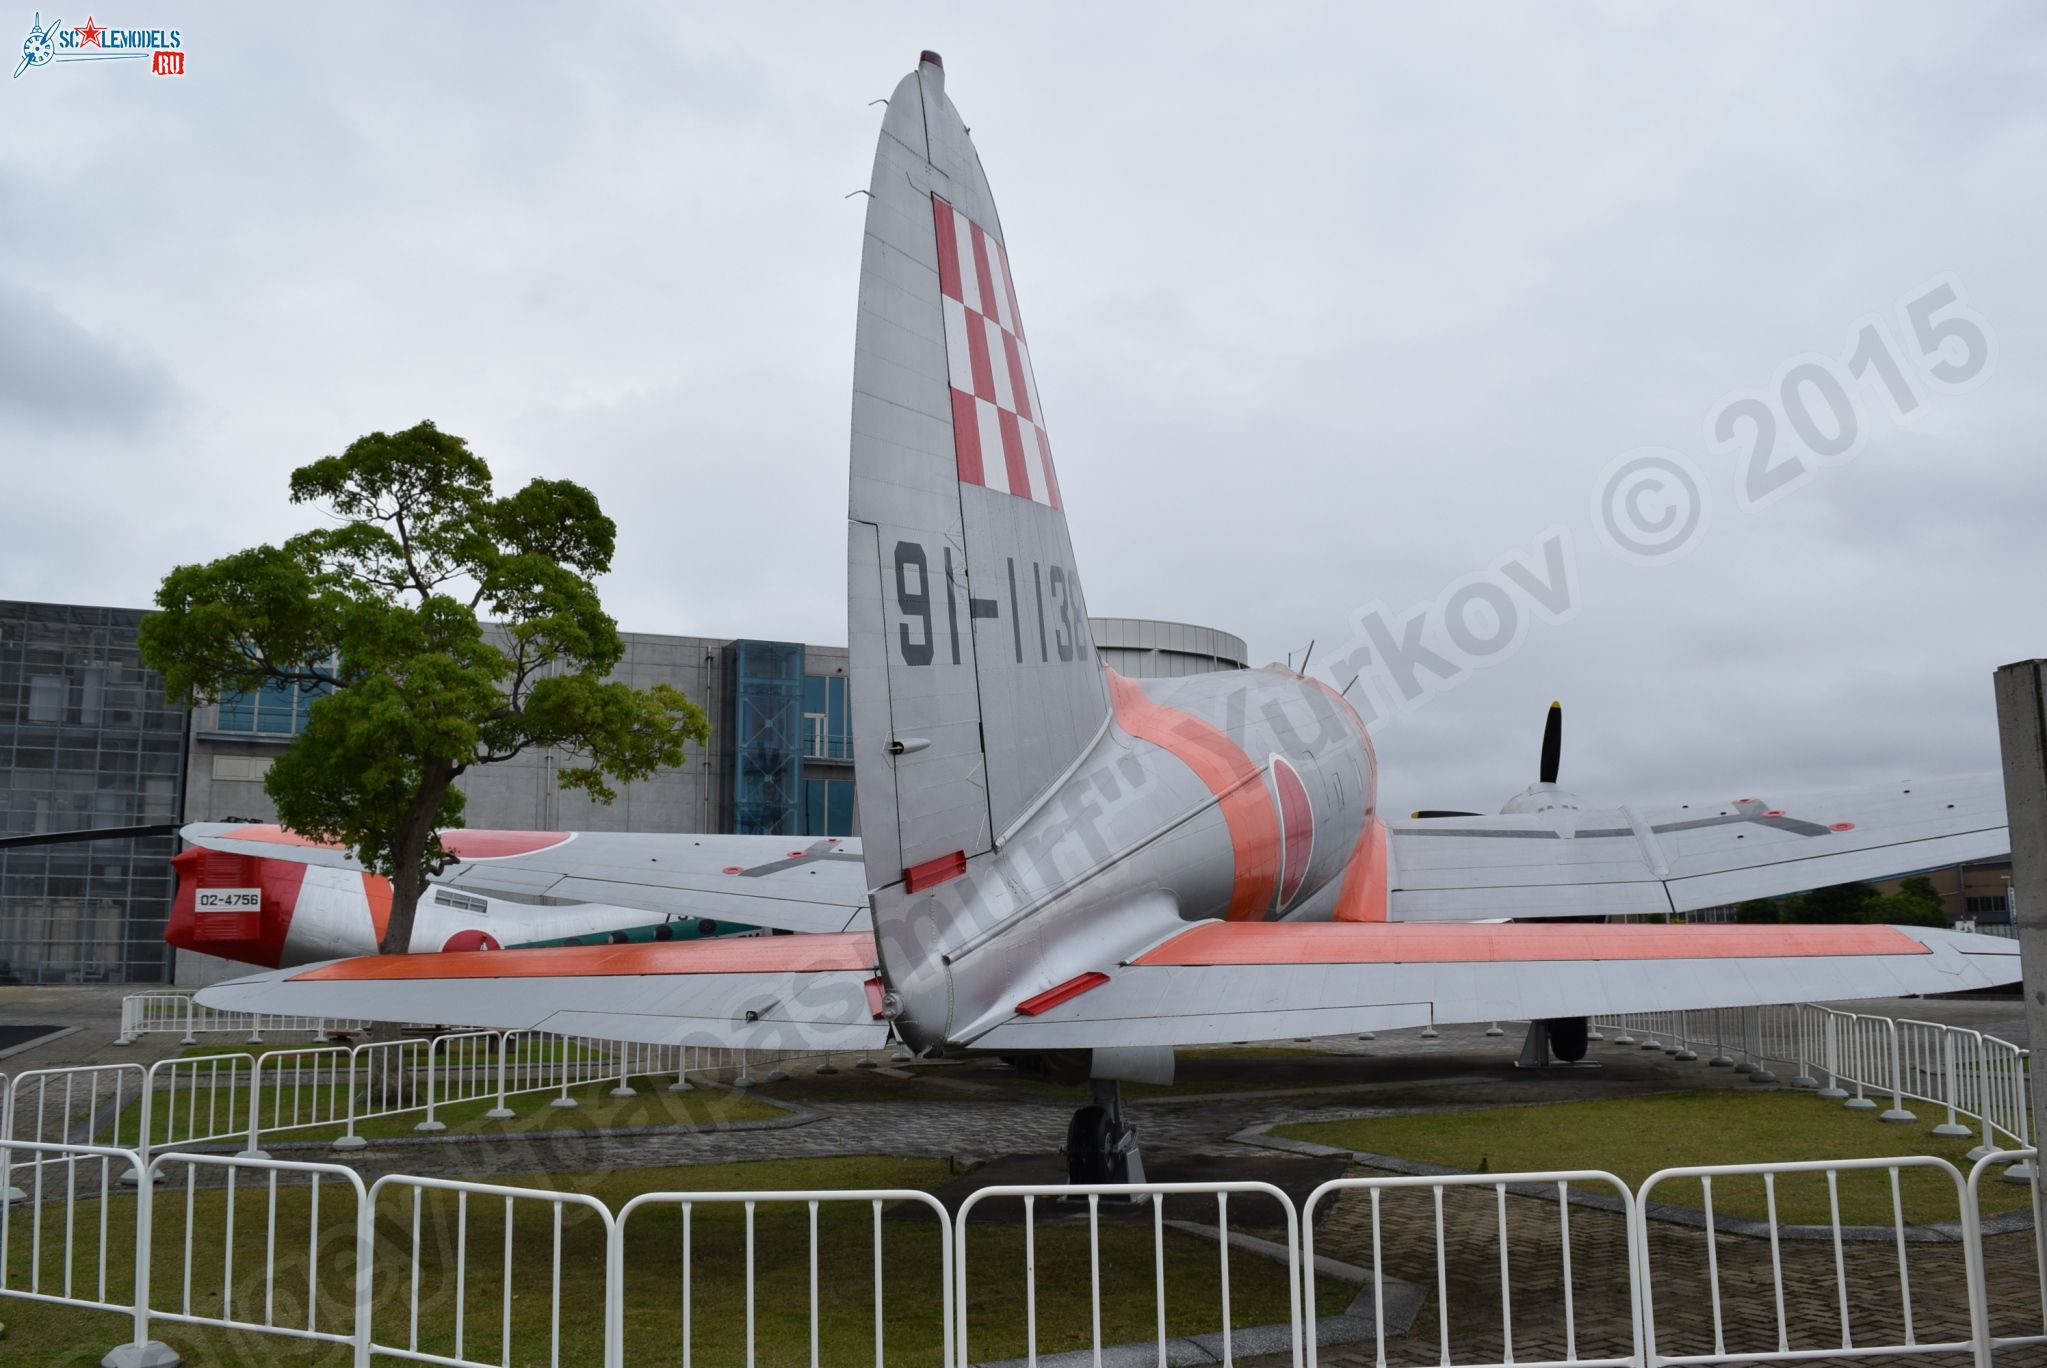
(997, 429)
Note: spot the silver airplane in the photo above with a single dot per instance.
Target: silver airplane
(1081, 872)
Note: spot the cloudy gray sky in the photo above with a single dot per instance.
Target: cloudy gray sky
(1332, 310)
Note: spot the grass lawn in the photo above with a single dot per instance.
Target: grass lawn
(43, 1334)
(653, 1105)
(1636, 1136)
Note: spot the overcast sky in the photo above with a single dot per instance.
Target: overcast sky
(1332, 310)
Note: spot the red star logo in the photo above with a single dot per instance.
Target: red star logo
(89, 36)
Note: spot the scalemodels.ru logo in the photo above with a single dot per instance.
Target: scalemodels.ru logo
(95, 42)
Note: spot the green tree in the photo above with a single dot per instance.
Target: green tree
(1848, 902)
(382, 609)
(1758, 911)
(1916, 903)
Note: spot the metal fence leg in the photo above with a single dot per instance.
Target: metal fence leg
(1684, 1054)
(1896, 1112)
(1752, 1046)
(142, 1351)
(501, 1112)
(1950, 1085)
(432, 1122)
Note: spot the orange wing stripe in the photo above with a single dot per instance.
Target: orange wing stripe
(730, 955)
(466, 843)
(1414, 943)
(1229, 774)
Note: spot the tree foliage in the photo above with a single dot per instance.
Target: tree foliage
(381, 614)
(1916, 903)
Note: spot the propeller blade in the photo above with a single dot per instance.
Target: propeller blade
(1427, 813)
(1552, 742)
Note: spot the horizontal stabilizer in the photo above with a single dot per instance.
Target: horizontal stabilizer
(1229, 981)
(763, 993)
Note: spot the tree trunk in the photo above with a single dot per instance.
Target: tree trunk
(408, 866)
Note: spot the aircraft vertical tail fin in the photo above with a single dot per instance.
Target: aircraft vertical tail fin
(977, 684)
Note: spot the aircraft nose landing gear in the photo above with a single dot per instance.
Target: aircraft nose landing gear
(1101, 1147)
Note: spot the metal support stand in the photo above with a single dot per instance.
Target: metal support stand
(148, 1354)
(1535, 1052)
(2022, 735)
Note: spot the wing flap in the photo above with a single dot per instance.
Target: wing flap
(1223, 982)
(764, 993)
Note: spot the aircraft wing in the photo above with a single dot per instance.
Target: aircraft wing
(761, 993)
(786, 883)
(1677, 857)
(1230, 981)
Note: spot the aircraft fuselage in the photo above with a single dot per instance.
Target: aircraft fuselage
(1241, 796)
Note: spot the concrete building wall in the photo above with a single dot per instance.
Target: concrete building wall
(1142, 648)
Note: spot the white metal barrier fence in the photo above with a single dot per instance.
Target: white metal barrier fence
(1777, 1331)
(146, 1013)
(1866, 1062)
(1378, 1191)
(683, 1347)
(470, 1273)
(233, 1096)
(1155, 1195)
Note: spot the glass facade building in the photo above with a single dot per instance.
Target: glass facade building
(763, 731)
(86, 742)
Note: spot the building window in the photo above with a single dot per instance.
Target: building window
(46, 698)
(276, 709)
(827, 722)
(827, 807)
(1993, 906)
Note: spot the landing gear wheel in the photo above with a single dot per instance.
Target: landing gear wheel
(1099, 1149)
(1569, 1037)
(1091, 1147)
